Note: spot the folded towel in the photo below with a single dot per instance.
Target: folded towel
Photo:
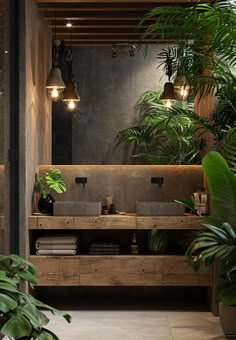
(54, 246)
(55, 252)
(57, 240)
(106, 245)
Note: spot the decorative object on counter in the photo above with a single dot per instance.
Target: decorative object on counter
(104, 210)
(103, 248)
(44, 184)
(201, 202)
(112, 209)
(57, 245)
(158, 241)
(189, 205)
(134, 247)
(22, 316)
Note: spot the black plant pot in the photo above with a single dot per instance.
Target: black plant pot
(45, 205)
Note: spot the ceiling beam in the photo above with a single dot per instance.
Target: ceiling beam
(124, 1)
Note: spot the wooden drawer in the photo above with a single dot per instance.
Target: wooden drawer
(120, 271)
(56, 270)
(177, 265)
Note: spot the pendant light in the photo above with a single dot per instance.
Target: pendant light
(168, 97)
(55, 84)
(70, 95)
(181, 87)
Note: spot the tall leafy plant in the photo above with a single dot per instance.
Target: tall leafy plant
(205, 42)
(218, 241)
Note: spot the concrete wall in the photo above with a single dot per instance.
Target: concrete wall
(35, 109)
(129, 183)
(109, 88)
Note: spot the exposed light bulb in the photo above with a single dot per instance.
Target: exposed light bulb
(184, 92)
(71, 105)
(69, 24)
(55, 93)
(168, 103)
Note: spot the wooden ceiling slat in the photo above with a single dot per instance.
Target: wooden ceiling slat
(123, 1)
(98, 22)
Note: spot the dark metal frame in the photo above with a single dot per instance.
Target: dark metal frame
(14, 127)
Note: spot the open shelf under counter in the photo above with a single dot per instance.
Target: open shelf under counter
(128, 221)
(118, 270)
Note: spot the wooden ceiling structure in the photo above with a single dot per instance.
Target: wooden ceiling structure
(106, 22)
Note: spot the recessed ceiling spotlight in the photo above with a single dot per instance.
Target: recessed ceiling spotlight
(6, 51)
(69, 24)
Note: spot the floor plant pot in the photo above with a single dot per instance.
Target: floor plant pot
(45, 205)
(228, 320)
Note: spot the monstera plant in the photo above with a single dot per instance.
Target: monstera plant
(21, 315)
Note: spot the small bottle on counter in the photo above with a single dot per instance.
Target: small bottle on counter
(134, 248)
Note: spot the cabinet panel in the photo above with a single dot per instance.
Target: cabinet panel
(121, 280)
(177, 265)
(121, 265)
(168, 222)
(56, 270)
(180, 280)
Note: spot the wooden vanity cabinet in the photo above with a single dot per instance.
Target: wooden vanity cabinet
(116, 270)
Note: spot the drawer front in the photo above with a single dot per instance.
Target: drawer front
(56, 270)
(120, 280)
(177, 265)
(120, 271)
(120, 265)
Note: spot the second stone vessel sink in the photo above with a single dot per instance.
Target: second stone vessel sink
(155, 208)
(77, 208)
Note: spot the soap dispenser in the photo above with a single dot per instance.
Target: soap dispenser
(134, 248)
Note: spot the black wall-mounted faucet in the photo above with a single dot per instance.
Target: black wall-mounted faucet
(82, 180)
(157, 180)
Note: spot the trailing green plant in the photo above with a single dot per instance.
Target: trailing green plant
(51, 180)
(158, 241)
(218, 241)
(21, 315)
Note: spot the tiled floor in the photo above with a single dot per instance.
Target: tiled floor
(137, 325)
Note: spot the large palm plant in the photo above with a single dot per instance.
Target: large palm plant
(218, 241)
(205, 42)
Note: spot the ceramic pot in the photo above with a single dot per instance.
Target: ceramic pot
(45, 205)
(227, 320)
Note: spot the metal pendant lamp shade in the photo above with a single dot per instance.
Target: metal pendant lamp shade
(168, 95)
(181, 87)
(55, 84)
(71, 97)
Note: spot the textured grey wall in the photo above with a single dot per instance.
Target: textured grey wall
(109, 89)
(128, 183)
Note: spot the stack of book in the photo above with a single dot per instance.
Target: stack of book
(57, 245)
(104, 249)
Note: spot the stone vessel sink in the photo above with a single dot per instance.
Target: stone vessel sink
(77, 208)
(155, 208)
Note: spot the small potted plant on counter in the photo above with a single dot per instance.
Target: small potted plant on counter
(44, 184)
(21, 315)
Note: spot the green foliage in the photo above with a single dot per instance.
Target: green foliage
(205, 42)
(165, 136)
(20, 313)
(158, 241)
(218, 242)
(51, 180)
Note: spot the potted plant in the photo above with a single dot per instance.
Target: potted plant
(21, 315)
(218, 242)
(44, 184)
